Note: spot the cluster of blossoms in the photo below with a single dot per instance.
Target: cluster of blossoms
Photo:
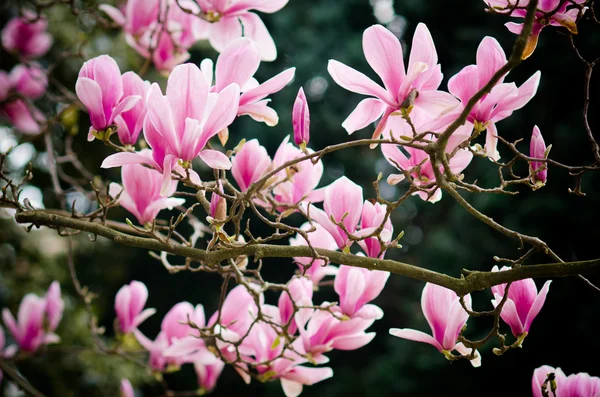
(288, 341)
(27, 38)
(281, 342)
(34, 327)
(164, 30)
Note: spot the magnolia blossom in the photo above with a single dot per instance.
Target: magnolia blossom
(208, 374)
(415, 87)
(28, 80)
(249, 164)
(326, 331)
(173, 329)
(166, 47)
(141, 192)
(188, 116)
(301, 119)
(503, 99)
(317, 269)
(100, 89)
(356, 287)
(523, 303)
(229, 70)
(28, 83)
(27, 38)
(298, 182)
(37, 319)
(218, 205)
(129, 306)
(575, 385)
(126, 390)
(232, 18)
(342, 204)
(372, 218)
(261, 346)
(537, 149)
(446, 317)
(562, 14)
(418, 161)
(130, 123)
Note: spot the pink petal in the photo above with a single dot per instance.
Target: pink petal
(187, 92)
(223, 113)
(159, 113)
(417, 336)
(237, 64)
(90, 94)
(114, 13)
(223, 32)
(123, 158)
(355, 81)
(436, 103)
(271, 86)
(490, 58)
(259, 111)
(423, 48)
(537, 305)
(215, 159)
(465, 83)
(384, 53)
(255, 29)
(366, 112)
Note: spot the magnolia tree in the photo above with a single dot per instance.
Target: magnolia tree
(161, 137)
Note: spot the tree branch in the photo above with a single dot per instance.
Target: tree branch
(473, 281)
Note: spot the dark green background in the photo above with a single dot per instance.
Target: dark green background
(442, 237)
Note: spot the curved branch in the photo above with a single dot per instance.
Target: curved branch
(473, 281)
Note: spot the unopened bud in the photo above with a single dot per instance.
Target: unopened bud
(218, 206)
(301, 119)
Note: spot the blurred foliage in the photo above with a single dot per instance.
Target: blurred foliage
(442, 237)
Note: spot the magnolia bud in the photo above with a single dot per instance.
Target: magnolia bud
(537, 149)
(301, 119)
(218, 206)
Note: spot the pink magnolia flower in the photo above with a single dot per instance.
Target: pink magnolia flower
(34, 314)
(23, 36)
(342, 203)
(537, 149)
(126, 390)
(141, 192)
(297, 183)
(372, 217)
(208, 374)
(356, 287)
(575, 385)
(129, 306)
(232, 18)
(503, 99)
(129, 123)
(174, 329)
(188, 116)
(100, 89)
(319, 238)
(261, 346)
(416, 87)
(250, 164)
(561, 16)
(523, 303)
(424, 175)
(253, 102)
(30, 81)
(300, 294)
(167, 46)
(326, 331)
(24, 116)
(445, 316)
(301, 119)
